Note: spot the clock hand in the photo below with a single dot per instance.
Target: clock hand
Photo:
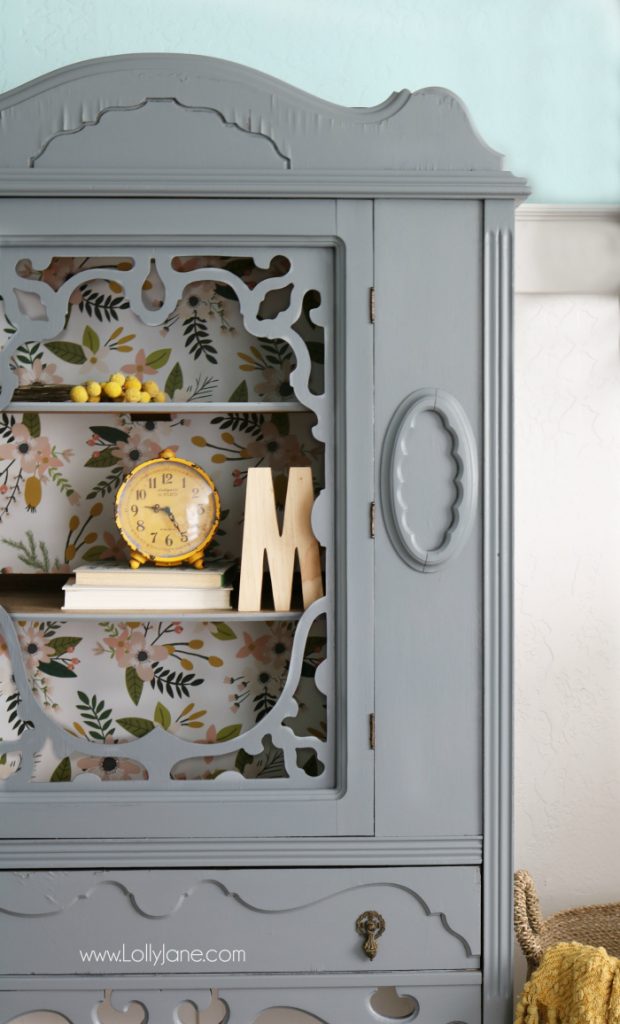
(173, 520)
(168, 511)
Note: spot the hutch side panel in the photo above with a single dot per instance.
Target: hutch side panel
(428, 558)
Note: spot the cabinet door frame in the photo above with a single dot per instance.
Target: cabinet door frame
(348, 809)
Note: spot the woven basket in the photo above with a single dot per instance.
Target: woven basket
(598, 925)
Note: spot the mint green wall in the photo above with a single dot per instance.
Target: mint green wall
(540, 77)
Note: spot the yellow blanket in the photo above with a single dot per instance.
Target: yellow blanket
(574, 984)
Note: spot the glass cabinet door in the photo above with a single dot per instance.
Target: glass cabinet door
(250, 320)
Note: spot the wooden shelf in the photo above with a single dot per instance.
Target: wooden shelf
(33, 600)
(155, 408)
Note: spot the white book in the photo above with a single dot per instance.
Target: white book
(156, 599)
(117, 575)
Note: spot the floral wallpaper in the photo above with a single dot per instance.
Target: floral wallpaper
(200, 352)
(114, 682)
(205, 682)
(59, 476)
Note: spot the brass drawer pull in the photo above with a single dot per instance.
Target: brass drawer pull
(371, 926)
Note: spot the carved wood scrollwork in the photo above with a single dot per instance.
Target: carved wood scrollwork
(396, 454)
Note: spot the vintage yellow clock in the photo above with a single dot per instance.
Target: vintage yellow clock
(167, 511)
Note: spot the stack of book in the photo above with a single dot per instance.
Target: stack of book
(149, 588)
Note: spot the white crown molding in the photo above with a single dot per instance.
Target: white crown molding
(567, 249)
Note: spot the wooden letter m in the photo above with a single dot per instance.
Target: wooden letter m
(261, 534)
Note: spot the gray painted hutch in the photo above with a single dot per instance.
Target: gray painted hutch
(311, 285)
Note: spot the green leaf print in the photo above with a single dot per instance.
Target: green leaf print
(32, 423)
(240, 394)
(134, 684)
(94, 554)
(223, 631)
(111, 434)
(229, 732)
(96, 716)
(62, 644)
(103, 459)
(162, 716)
(62, 771)
(68, 351)
(158, 358)
(174, 380)
(56, 668)
(90, 340)
(138, 727)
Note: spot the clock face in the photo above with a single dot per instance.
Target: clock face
(167, 509)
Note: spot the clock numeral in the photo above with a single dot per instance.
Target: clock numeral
(169, 541)
(154, 536)
(152, 482)
(166, 478)
(195, 492)
(201, 510)
(183, 481)
(140, 494)
(134, 510)
(140, 525)
(184, 538)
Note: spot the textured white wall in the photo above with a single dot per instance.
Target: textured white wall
(567, 600)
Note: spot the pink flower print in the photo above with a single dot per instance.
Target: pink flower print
(197, 298)
(34, 646)
(274, 384)
(114, 550)
(45, 457)
(138, 447)
(38, 373)
(61, 268)
(23, 448)
(279, 452)
(113, 769)
(34, 454)
(182, 264)
(279, 646)
(132, 649)
(255, 647)
(140, 367)
(210, 737)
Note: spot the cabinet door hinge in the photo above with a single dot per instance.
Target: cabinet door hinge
(372, 309)
(371, 732)
(372, 519)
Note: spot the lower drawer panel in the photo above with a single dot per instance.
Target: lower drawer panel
(219, 921)
(336, 999)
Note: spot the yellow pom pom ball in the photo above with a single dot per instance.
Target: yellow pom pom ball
(93, 388)
(160, 397)
(112, 389)
(94, 398)
(78, 393)
(144, 396)
(132, 395)
(118, 378)
(150, 387)
(132, 384)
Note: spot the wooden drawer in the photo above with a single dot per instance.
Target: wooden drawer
(237, 921)
(426, 997)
